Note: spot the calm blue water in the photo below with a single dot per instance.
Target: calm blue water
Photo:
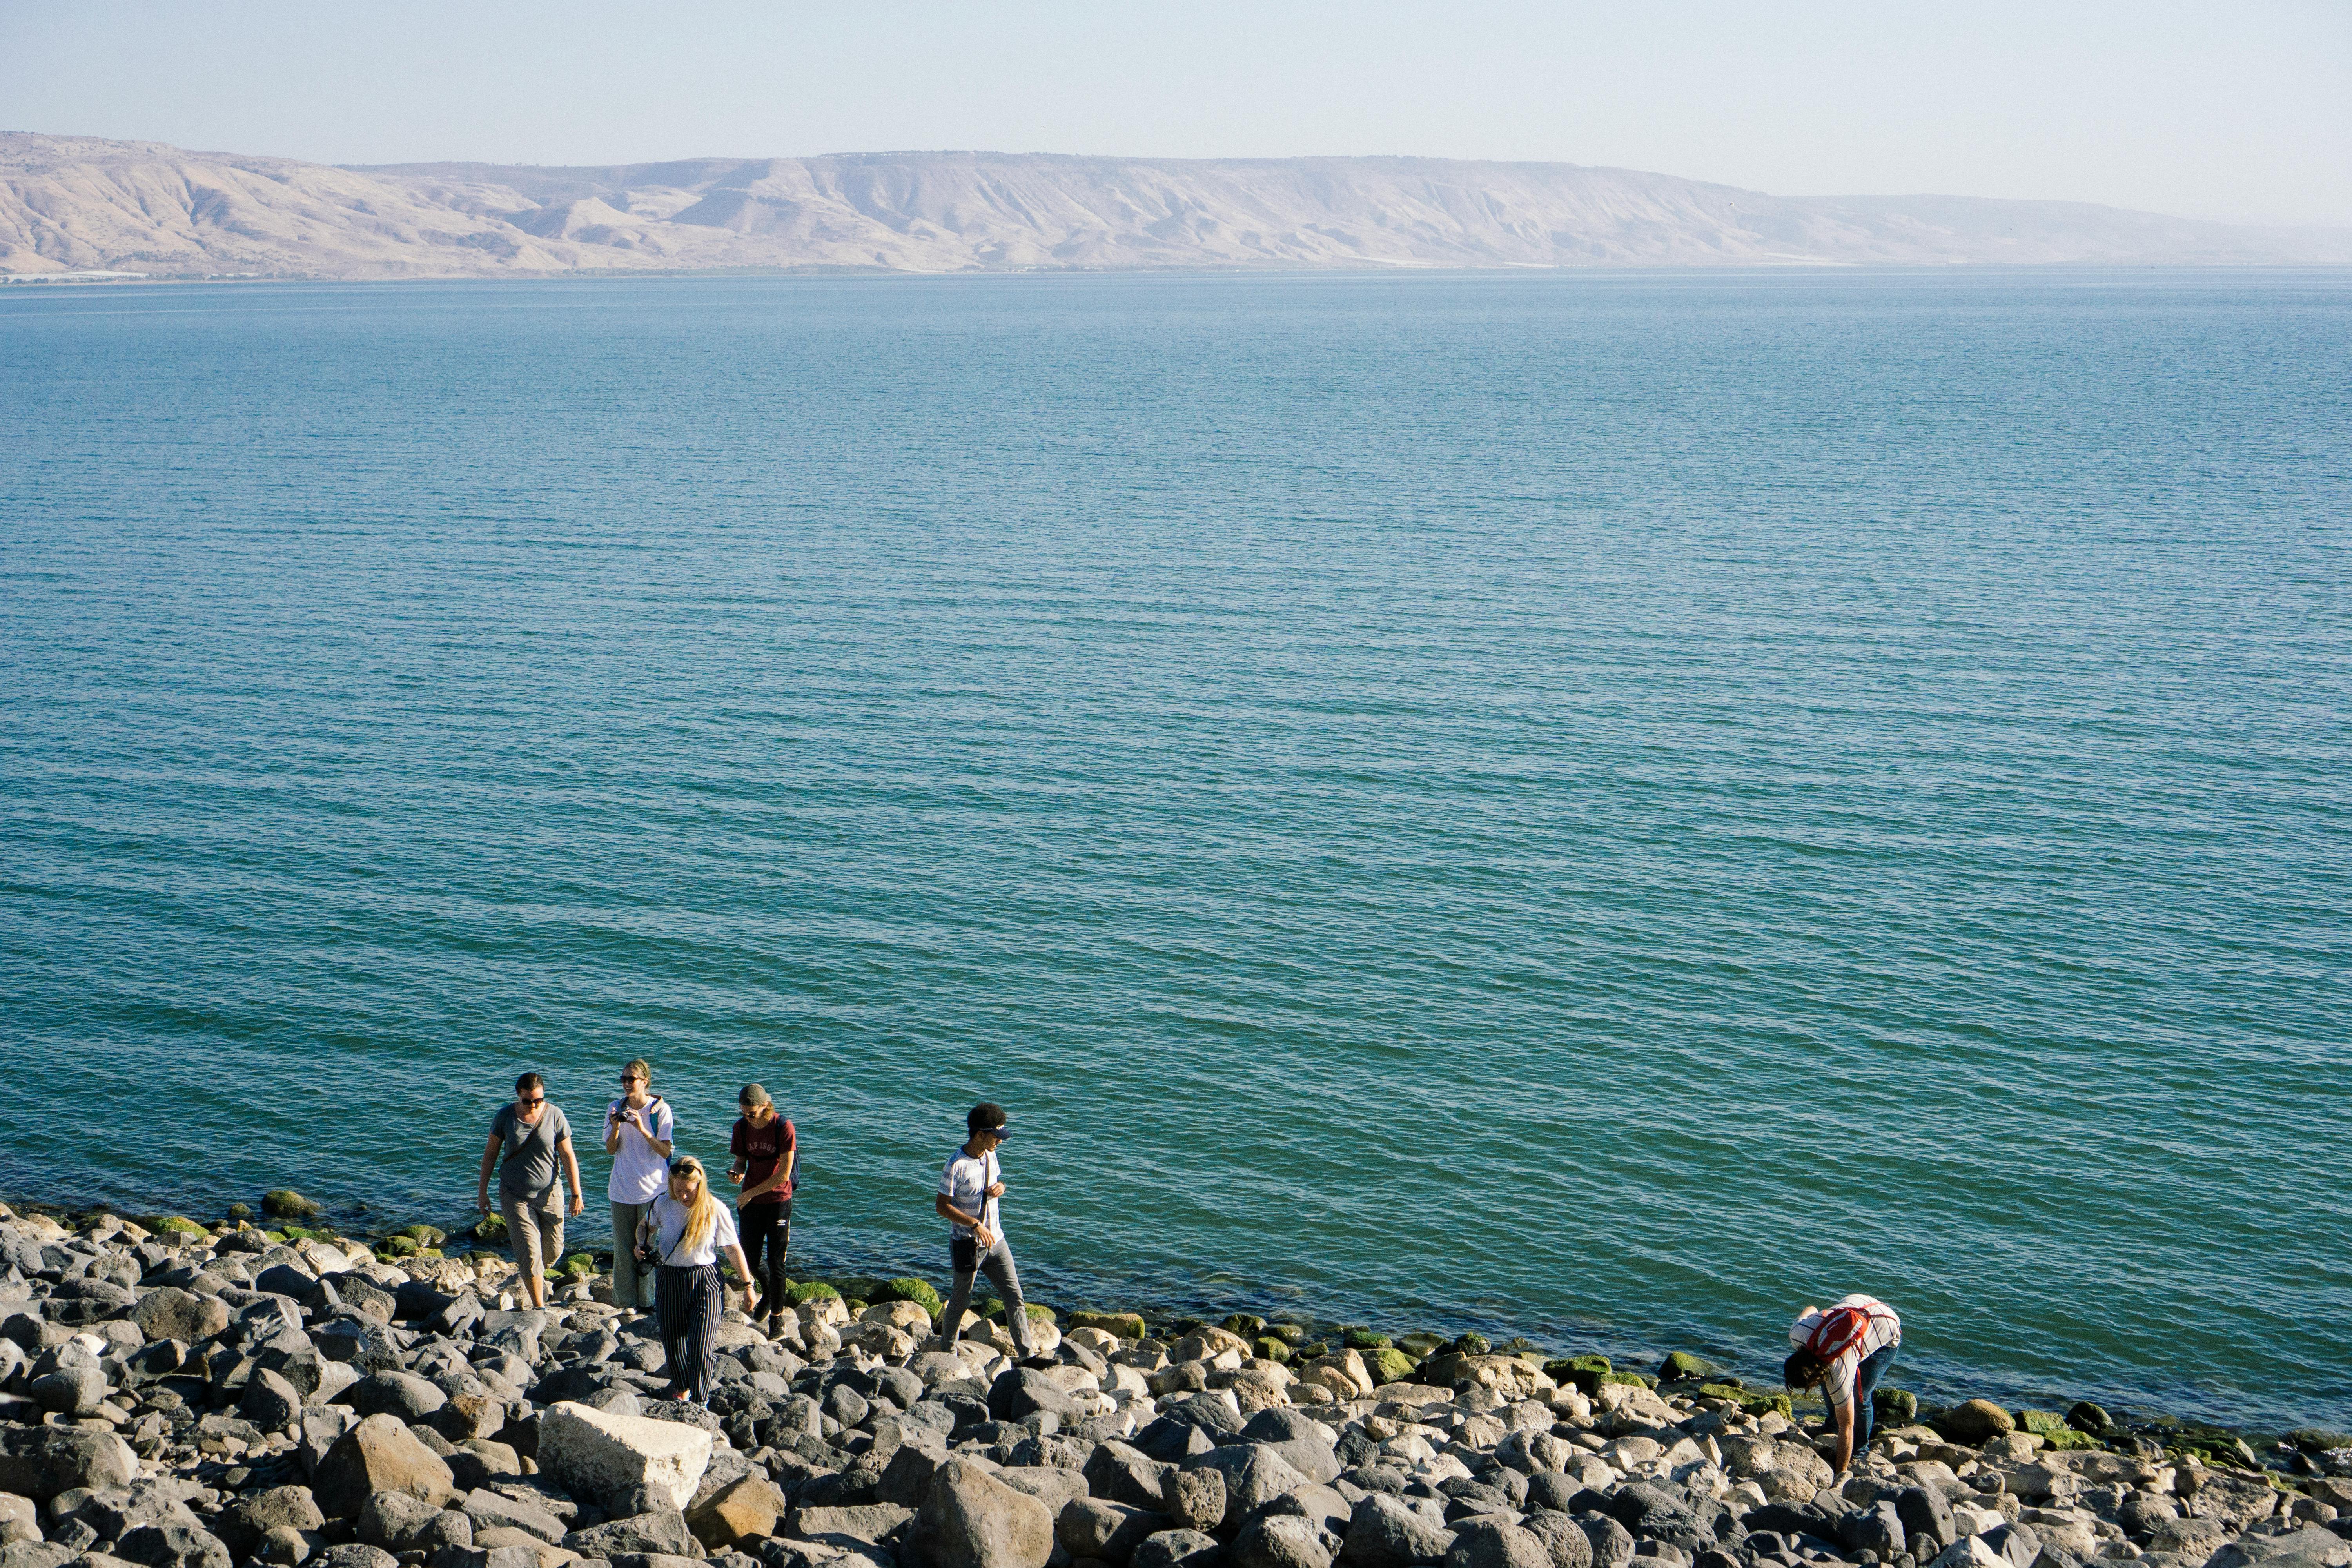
(1609, 806)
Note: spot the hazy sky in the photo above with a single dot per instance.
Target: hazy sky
(2236, 111)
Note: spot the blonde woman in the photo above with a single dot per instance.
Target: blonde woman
(686, 1229)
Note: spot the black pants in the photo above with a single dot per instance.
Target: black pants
(686, 1304)
(767, 1233)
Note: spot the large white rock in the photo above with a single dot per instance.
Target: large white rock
(595, 1453)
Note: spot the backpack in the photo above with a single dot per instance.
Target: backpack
(1840, 1331)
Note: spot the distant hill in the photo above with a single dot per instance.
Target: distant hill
(79, 203)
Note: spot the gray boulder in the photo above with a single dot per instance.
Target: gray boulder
(662, 1531)
(1117, 1472)
(1612, 1543)
(1275, 1540)
(2018, 1542)
(399, 1522)
(171, 1313)
(1021, 1392)
(489, 1510)
(1926, 1517)
(1195, 1499)
(1178, 1549)
(1110, 1532)
(1255, 1474)
(970, 1520)
(379, 1455)
(355, 1554)
(39, 1462)
(1489, 1544)
(1566, 1542)
(173, 1545)
(1383, 1532)
(242, 1525)
(1304, 1443)
(269, 1402)
(401, 1393)
(70, 1390)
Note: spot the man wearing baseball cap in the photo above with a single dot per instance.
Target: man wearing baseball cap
(969, 1190)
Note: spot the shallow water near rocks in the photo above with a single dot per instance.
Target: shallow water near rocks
(1605, 806)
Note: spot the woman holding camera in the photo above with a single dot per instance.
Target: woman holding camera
(683, 1236)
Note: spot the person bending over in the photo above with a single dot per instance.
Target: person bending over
(535, 1139)
(638, 1134)
(765, 1147)
(1845, 1351)
(969, 1191)
(687, 1231)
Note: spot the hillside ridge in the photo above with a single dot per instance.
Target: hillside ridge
(72, 204)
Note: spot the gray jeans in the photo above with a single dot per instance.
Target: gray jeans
(997, 1264)
(632, 1287)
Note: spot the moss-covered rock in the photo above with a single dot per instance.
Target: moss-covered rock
(578, 1267)
(1360, 1338)
(1118, 1325)
(1634, 1379)
(855, 1305)
(1584, 1371)
(240, 1212)
(1037, 1314)
(278, 1236)
(2070, 1438)
(2040, 1422)
(397, 1246)
(1422, 1342)
(1246, 1324)
(800, 1290)
(285, 1203)
(2088, 1418)
(861, 1288)
(174, 1224)
(423, 1234)
(1388, 1365)
(1473, 1343)
(1893, 1406)
(2310, 1439)
(1268, 1348)
(1684, 1367)
(1313, 1349)
(491, 1228)
(1519, 1345)
(1288, 1333)
(1755, 1402)
(920, 1291)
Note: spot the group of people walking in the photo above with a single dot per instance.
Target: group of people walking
(670, 1230)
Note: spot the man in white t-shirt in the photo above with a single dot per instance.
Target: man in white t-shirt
(639, 1134)
(969, 1190)
(1846, 1350)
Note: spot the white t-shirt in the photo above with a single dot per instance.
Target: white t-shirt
(963, 1182)
(639, 1173)
(1885, 1329)
(669, 1229)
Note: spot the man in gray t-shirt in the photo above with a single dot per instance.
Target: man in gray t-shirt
(533, 1137)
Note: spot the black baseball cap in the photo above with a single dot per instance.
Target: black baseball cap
(987, 1117)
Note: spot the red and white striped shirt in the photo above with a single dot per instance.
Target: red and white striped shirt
(1884, 1329)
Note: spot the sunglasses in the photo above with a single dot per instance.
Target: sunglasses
(540, 1101)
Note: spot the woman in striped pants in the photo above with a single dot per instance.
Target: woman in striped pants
(688, 1228)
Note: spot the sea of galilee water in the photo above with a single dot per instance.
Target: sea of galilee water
(1601, 806)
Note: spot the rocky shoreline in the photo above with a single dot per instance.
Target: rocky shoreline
(178, 1395)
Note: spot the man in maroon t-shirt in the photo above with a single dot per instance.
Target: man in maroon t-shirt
(764, 1146)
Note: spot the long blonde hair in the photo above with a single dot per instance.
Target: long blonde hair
(701, 1208)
